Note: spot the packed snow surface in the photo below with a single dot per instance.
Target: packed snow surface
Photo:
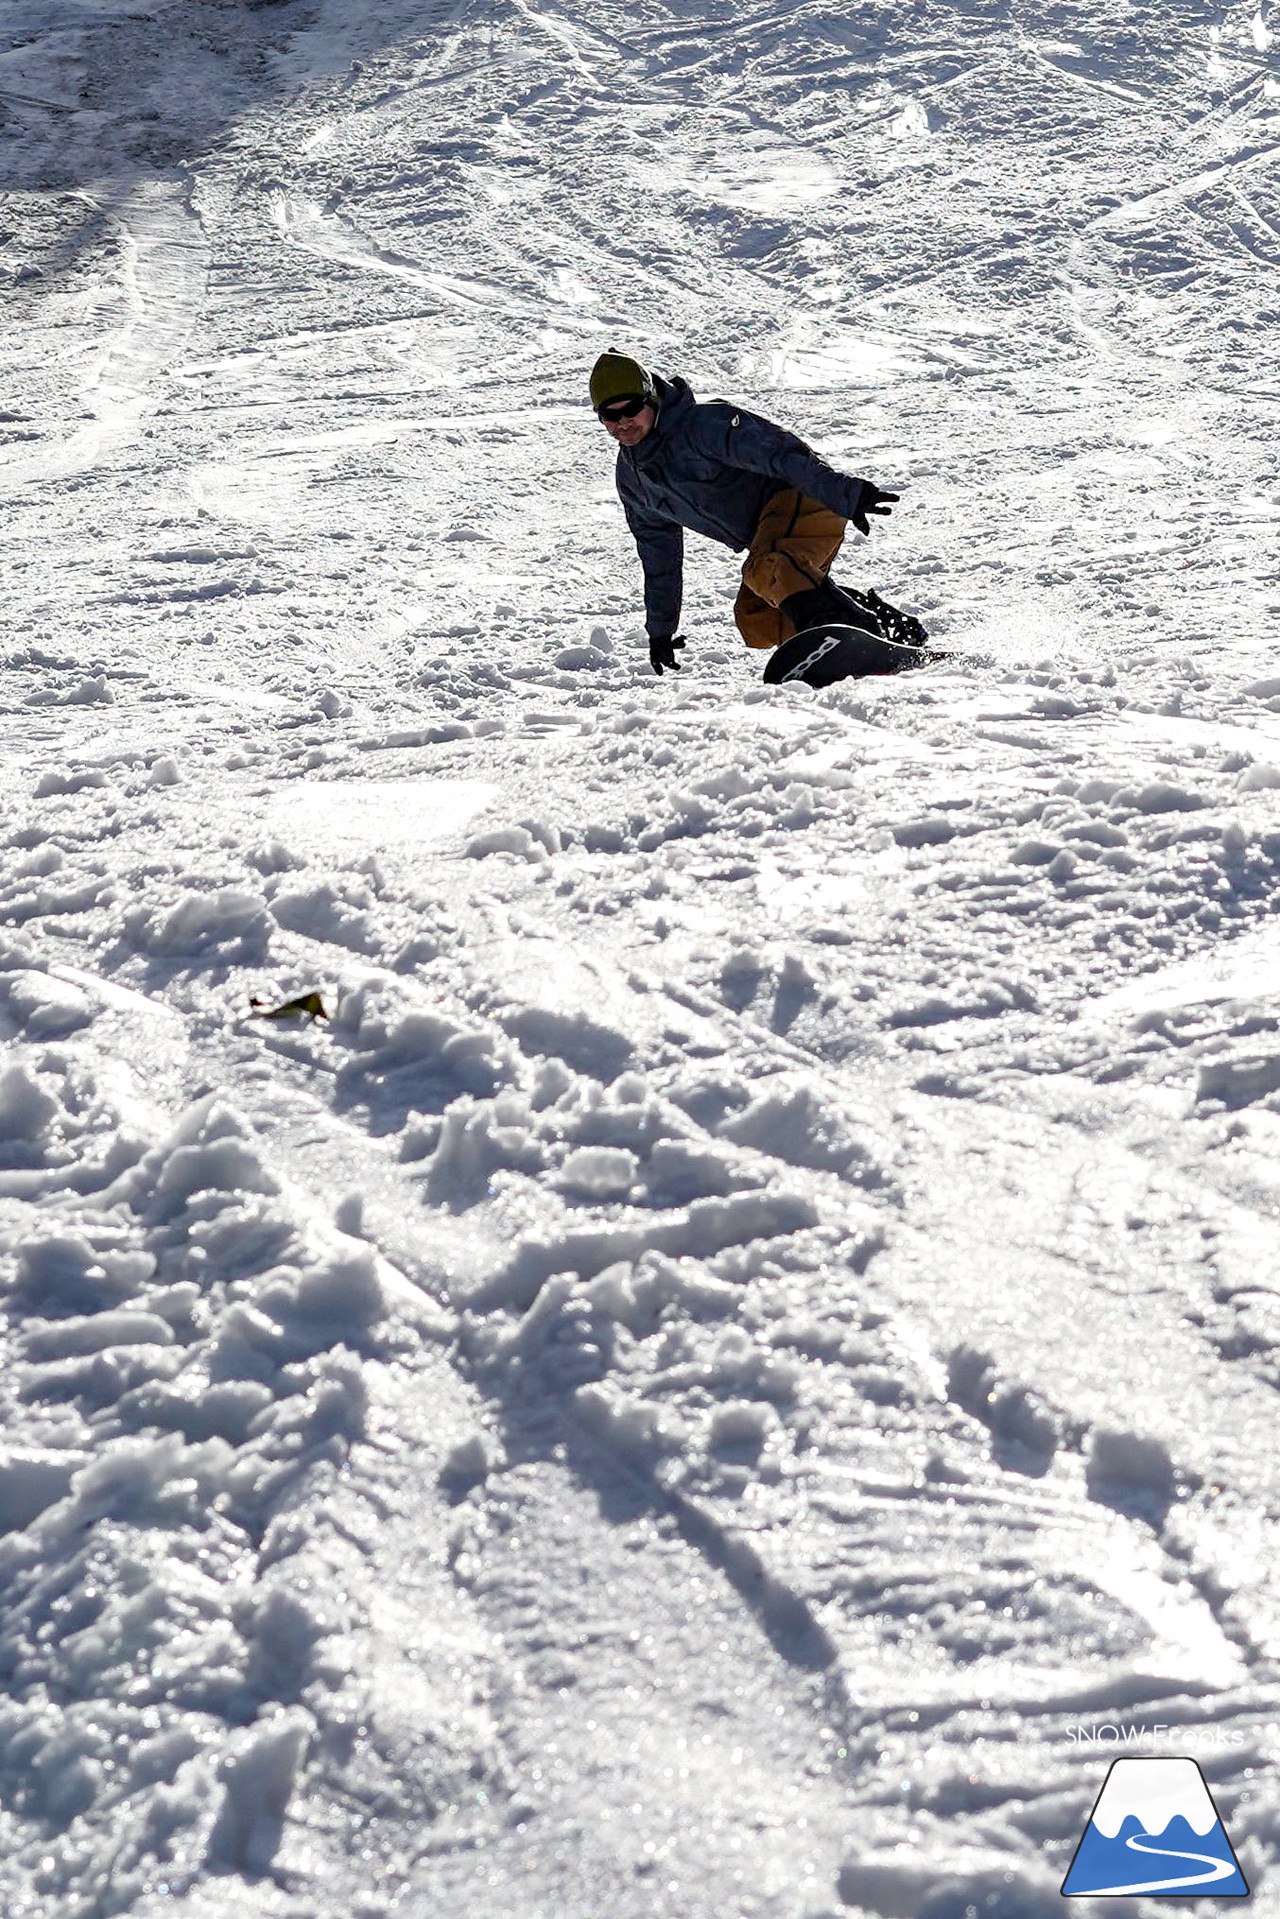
(737, 1364)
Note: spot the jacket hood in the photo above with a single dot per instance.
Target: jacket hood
(675, 400)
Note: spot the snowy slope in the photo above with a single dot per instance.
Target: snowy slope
(741, 1358)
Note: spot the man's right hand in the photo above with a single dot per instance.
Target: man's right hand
(662, 651)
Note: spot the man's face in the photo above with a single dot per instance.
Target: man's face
(628, 431)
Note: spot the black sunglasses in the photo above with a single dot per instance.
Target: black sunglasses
(622, 409)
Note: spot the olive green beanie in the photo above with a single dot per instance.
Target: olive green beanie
(615, 376)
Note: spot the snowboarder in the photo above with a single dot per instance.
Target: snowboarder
(739, 479)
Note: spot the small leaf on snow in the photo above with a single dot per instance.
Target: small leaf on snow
(306, 1006)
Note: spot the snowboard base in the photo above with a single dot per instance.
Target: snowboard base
(821, 655)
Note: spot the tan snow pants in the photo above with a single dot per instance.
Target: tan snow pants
(792, 547)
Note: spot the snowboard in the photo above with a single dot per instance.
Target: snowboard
(821, 655)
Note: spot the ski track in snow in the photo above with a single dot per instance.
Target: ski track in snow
(161, 266)
(752, 1329)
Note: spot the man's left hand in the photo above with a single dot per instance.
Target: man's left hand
(874, 500)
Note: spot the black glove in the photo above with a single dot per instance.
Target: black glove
(662, 651)
(874, 500)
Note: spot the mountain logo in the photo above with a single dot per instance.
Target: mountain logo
(1155, 1829)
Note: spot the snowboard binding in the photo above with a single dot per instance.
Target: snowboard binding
(902, 628)
(828, 604)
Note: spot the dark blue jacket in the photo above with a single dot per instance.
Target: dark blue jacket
(712, 468)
